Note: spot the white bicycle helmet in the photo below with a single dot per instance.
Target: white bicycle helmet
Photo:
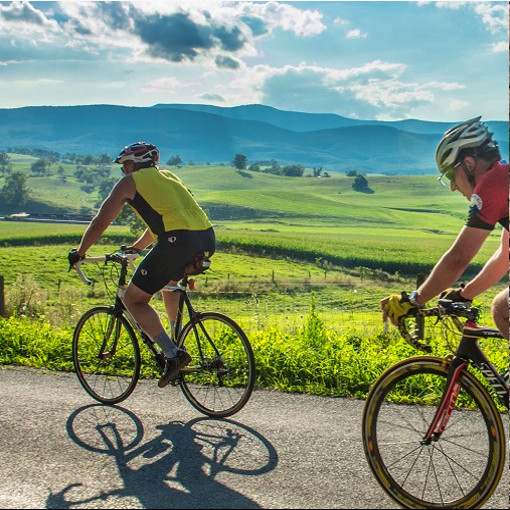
(139, 152)
(470, 134)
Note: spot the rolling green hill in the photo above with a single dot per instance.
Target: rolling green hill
(404, 225)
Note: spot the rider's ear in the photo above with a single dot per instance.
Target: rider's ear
(470, 163)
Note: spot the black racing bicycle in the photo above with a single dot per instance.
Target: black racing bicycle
(432, 429)
(220, 378)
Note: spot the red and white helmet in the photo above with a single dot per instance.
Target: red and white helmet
(139, 152)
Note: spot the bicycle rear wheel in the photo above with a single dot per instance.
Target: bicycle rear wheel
(106, 355)
(459, 470)
(220, 378)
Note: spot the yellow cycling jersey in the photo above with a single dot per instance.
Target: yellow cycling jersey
(164, 204)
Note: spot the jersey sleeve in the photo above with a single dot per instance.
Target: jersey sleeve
(489, 203)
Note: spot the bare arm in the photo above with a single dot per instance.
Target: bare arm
(144, 240)
(124, 190)
(492, 272)
(453, 263)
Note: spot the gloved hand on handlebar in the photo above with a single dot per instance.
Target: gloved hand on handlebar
(130, 250)
(395, 306)
(455, 295)
(73, 258)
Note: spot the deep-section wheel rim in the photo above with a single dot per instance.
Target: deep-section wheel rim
(461, 469)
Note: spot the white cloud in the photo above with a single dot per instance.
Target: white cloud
(340, 22)
(303, 23)
(373, 90)
(158, 31)
(494, 15)
(500, 47)
(446, 86)
(355, 34)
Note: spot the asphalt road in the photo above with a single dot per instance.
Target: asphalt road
(60, 449)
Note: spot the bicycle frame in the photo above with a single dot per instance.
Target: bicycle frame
(193, 314)
(467, 352)
(118, 307)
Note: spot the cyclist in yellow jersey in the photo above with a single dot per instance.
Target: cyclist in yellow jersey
(176, 224)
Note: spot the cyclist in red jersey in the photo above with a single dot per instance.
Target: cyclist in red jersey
(469, 158)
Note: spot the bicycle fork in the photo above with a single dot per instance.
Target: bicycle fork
(113, 328)
(447, 404)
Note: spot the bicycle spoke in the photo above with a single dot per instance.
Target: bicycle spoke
(106, 355)
(224, 380)
(454, 474)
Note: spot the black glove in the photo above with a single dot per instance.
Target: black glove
(73, 258)
(454, 295)
(130, 250)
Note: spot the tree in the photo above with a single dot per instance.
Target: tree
(5, 162)
(351, 173)
(317, 171)
(14, 191)
(360, 183)
(105, 186)
(274, 169)
(41, 166)
(128, 217)
(240, 161)
(175, 161)
(293, 170)
(254, 167)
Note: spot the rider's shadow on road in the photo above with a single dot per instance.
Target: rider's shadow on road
(176, 469)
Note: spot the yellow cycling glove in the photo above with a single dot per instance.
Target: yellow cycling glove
(395, 306)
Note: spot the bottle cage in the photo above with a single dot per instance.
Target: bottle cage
(198, 264)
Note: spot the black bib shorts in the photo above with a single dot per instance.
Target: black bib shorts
(168, 259)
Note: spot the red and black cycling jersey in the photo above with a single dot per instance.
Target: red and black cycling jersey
(489, 202)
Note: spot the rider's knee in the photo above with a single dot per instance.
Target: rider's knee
(500, 305)
(135, 296)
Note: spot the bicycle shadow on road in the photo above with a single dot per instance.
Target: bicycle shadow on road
(175, 469)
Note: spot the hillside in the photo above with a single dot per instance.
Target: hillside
(215, 135)
(405, 224)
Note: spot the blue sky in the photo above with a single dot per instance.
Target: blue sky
(380, 60)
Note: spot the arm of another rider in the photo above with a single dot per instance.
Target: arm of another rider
(144, 240)
(493, 271)
(453, 263)
(124, 190)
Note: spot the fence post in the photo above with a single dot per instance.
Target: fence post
(420, 321)
(3, 311)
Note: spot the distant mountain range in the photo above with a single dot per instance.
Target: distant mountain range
(212, 134)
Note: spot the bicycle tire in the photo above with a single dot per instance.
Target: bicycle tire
(107, 376)
(220, 378)
(417, 475)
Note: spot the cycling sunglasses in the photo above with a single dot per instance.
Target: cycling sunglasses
(449, 174)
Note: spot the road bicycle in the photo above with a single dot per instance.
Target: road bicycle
(432, 430)
(106, 354)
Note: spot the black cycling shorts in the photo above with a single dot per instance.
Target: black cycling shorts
(168, 259)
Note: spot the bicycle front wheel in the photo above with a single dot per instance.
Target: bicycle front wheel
(106, 355)
(220, 378)
(462, 468)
